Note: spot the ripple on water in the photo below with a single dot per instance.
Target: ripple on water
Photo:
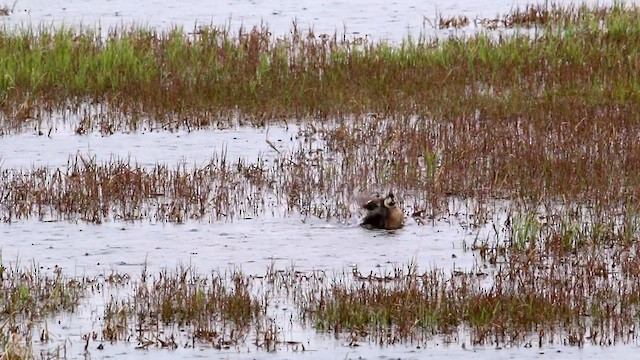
(377, 19)
(252, 245)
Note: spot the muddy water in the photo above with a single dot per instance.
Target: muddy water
(252, 245)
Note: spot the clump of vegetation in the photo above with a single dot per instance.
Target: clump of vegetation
(27, 297)
(33, 294)
(533, 298)
(530, 299)
(122, 190)
(482, 117)
(220, 310)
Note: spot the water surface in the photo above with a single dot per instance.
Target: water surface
(255, 244)
(377, 19)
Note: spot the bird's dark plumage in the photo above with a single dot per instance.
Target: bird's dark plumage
(383, 213)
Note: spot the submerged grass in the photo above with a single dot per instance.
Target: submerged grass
(220, 310)
(530, 299)
(33, 294)
(28, 297)
(123, 190)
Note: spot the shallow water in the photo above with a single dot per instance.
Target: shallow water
(251, 245)
(378, 19)
(255, 244)
(320, 346)
(436, 351)
(29, 150)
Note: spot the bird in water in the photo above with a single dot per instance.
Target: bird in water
(383, 213)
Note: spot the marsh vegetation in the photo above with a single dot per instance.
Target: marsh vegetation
(533, 127)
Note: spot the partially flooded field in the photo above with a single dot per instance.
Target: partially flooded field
(188, 193)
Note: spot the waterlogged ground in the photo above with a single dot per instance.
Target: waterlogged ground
(251, 244)
(281, 241)
(323, 347)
